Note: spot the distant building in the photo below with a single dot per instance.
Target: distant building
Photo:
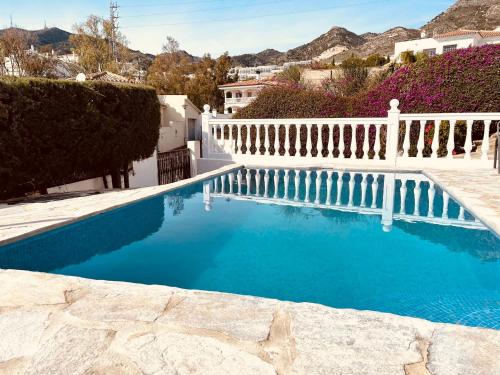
(263, 71)
(441, 43)
(239, 94)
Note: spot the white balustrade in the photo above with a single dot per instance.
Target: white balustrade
(351, 189)
(248, 180)
(223, 183)
(340, 181)
(403, 190)
(237, 145)
(430, 197)
(446, 199)
(364, 184)
(374, 190)
(238, 177)
(416, 194)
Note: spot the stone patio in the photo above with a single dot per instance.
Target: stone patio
(59, 325)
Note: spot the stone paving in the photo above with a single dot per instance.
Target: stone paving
(53, 324)
(477, 190)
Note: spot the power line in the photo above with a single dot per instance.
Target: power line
(169, 4)
(231, 19)
(202, 10)
(113, 18)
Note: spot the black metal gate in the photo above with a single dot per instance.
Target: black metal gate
(173, 166)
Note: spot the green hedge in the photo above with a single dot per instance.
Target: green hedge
(51, 130)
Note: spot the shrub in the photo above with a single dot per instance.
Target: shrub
(465, 80)
(51, 130)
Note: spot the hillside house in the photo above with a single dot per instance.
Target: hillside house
(446, 42)
(180, 122)
(238, 95)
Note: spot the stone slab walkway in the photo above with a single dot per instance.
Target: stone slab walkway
(53, 324)
(477, 190)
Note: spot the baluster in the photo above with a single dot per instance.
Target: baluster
(318, 186)
(319, 141)
(231, 181)
(353, 142)
(247, 140)
(468, 140)
(363, 189)
(266, 139)
(406, 141)
(222, 143)
(430, 196)
(223, 184)
(257, 182)
(231, 140)
(330, 146)
(416, 192)
(297, 141)
(351, 189)
(376, 146)
(403, 192)
(296, 185)
(308, 140)
(446, 199)
(374, 190)
(485, 146)
(276, 182)
(366, 141)
(238, 139)
(451, 140)
(420, 143)
(341, 141)
(266, 183)
(340, 181)
(286, 180)
(211, 138)
(216, 185)
(287, 140)
(435, 139)
(329, 187)
(257, 140)
(238, 177)
(461, 214)
(248, 178)
(276, 140)
(308, 185)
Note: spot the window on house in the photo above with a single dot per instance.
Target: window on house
(430, 52)
(449, 47)
(239, 95)
(229, 95)
(249, 94)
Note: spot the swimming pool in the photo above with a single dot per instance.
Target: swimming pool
(390, 242)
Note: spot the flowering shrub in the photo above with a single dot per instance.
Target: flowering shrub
(465, 80)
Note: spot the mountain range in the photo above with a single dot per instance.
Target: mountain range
(337, 43)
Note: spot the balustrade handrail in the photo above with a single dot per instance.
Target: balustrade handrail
(381, 141)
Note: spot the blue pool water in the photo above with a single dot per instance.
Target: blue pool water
(357, 249)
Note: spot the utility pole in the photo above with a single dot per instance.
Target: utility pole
(113, 18)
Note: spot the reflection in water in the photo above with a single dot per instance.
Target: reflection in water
(79, 242)
(404, 198)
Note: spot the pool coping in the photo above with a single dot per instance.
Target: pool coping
(136, 195)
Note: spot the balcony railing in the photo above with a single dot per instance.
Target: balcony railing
(239, 100)
(407, 140)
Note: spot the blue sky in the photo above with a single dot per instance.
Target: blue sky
(237, 26)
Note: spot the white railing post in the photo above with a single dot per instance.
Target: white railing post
(391, 148)
(451, 140)
(205, 129)
(435, 139)
(388, 202)
(485, 146)
(468, 140)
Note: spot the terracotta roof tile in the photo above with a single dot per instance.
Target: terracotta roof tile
(253, 82)
(482, 33)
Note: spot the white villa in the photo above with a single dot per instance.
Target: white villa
(446, 42)
(239, 94)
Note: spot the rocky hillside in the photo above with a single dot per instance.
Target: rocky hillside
(382, 43)
(337, 38)
(268, 56)
(466, 14)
